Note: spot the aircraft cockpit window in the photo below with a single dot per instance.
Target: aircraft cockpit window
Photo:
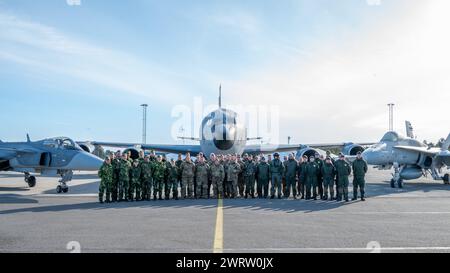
(66, 144)
(390, 137)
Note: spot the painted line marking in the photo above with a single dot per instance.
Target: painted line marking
(218, 234)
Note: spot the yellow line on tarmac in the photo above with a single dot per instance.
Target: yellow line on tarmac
(218, 234)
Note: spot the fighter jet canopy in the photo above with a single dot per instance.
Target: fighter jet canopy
(62, 143)
(392, 137)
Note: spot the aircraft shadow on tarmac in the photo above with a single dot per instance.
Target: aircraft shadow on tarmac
(16, 199)
(85, 188)
(275, 205)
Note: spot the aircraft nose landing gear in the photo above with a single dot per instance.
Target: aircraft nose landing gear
(65, 177)
(446, 179)
(31, 180)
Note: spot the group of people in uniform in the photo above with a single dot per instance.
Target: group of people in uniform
(153, 177)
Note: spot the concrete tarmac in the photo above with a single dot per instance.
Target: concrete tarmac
(413, 219)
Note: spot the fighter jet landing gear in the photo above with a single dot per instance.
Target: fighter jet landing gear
(31, 180)
(66, 176)
(446, 179)
(396, 179)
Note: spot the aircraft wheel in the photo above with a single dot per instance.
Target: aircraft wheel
(58, 189)
(446, 179)
(31, 181)
(65, 190)
(400, 183)
(393, 183)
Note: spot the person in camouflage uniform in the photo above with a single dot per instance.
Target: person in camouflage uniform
(249, 177)
(167, 183)
(124, 177)
(290, 174)
(187, 177)
(311, 170)
(172, 180)
(115, 162)
(178, 165)
(241, 181)
(146, 178)
(343, 170)
(328, 174)
(135, 185)
(217, 176)
(276, 173)
(233, 170)
(262, 178)
(201, 178)
(225, 164)
(106, 180)
(359, 167)
(159, 174)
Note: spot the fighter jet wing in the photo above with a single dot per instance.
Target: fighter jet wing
(9, 153)
(165, 148)
(424, 150)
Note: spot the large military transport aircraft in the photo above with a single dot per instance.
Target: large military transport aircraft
(50, 157)
(222, 132)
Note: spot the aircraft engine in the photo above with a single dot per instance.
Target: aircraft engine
(306, 151)
(411, 173)
(134, 152)
(352, 149)
(87, 147)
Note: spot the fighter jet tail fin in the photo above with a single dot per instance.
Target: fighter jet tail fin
(409, 130)
(28, 138)
(446, 143)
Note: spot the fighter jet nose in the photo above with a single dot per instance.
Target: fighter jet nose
(85, 162)
(367, 155)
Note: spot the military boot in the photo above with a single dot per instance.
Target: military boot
(272, 197)
(362, 197)
(100, 198)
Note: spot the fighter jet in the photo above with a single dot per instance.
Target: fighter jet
(410, 158)
(50, 157)
(222, 132)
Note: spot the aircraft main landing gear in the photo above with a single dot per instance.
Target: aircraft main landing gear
(446, 179)
(31, 180)
(63, 188)
(399, 183)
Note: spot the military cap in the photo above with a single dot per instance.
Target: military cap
(276, 154)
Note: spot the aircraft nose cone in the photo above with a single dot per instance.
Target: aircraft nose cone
(368, 156)
(85, 162)
(224, 137)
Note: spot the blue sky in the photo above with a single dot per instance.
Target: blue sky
(330, 66)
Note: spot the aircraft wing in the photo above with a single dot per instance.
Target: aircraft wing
(333, 145)
(165, 148)
(9, 153)
(424, 150)
(267, 148)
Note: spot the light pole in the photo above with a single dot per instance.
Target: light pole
(391, 116)
(144, 123)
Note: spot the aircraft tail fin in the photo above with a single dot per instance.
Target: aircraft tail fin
(409, 130)
(28, 138)
(446, 143)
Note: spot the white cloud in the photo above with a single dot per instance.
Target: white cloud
(39, 47)
(341, 90)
